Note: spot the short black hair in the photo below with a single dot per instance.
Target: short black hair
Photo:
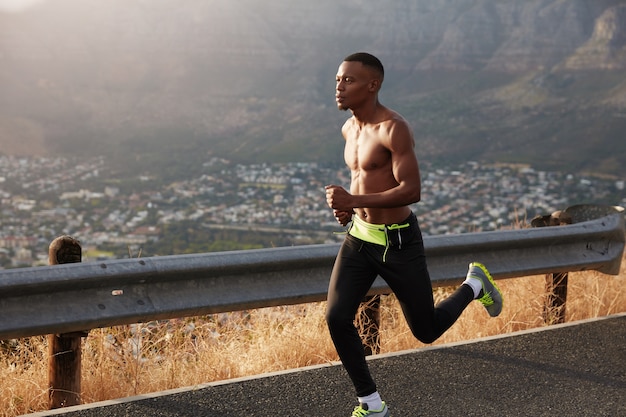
(368, 60)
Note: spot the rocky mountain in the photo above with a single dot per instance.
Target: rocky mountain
(152, 82)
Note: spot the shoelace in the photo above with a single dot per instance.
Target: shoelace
(359, 412)
(486, 300)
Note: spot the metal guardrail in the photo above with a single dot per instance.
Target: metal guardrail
(82, 296)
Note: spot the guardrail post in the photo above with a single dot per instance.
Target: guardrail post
(556, 284)
(368, 323)
(64, 366)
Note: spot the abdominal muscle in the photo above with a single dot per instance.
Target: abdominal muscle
(375, 182)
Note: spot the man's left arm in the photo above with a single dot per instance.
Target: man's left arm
(404, 164)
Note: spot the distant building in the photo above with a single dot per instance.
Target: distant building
(111, 191)
(17, 242)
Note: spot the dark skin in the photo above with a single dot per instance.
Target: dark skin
(378, 151)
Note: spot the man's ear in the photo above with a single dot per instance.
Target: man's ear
(374, 85)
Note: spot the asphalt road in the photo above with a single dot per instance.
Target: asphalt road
(577, 369)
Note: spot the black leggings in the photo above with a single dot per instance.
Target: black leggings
(405, 271)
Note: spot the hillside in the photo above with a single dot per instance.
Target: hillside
(154, 83)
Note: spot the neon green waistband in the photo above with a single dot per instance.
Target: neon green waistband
(373, 233)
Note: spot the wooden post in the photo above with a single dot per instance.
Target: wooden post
(556, 284)
(64, 366)
(368, 323)
(556, 290)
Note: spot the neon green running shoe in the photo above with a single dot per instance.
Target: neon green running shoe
(490, 296)
(363, 411)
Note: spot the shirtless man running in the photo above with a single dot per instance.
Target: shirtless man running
(383, 235)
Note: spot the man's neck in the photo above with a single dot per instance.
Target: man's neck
(367, 114)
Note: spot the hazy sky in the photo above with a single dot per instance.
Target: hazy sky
(17, 5)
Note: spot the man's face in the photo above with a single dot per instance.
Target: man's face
(353, 85)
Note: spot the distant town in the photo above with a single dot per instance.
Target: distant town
(43, 198)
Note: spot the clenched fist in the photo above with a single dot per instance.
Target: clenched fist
(338, 198)
(343, 217)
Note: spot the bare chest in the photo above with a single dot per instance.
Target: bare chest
(364, 152)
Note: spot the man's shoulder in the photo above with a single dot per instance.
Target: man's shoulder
(395, 117)
(395, 130)
(394, 121)
(387, 116)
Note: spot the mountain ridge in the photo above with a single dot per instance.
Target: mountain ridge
(539, 81)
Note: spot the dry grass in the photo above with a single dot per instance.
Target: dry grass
(129, 360)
